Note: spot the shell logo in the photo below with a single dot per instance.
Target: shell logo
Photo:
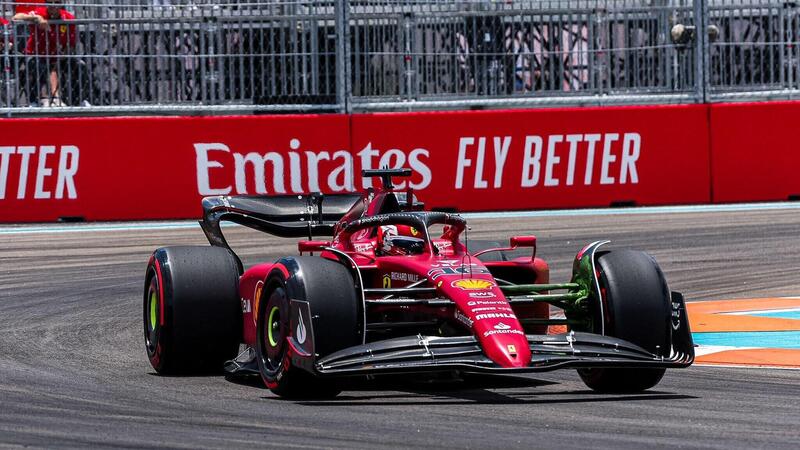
(472, 284)
(256, 298)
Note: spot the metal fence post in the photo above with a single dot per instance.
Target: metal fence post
(409, 71)
(343, 82)
(701, 51)
(7, 65)
(210, 30)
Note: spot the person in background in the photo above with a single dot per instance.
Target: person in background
(3, 25)
(46, 45)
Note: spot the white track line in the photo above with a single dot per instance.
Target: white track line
(192, 224)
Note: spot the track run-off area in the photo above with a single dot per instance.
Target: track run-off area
(73, 370)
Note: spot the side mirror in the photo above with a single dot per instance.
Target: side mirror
(312, 246)
(523, 241)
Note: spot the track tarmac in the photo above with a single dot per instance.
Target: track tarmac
(73, 371)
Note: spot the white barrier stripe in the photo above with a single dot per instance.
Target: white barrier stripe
(190, 224)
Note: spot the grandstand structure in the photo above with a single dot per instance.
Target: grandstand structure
(251, 56)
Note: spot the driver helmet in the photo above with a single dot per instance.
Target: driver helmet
(399, 240)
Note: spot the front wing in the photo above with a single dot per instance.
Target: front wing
(549, 352)
(432, 353)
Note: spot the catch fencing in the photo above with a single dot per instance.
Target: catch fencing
(178, 56)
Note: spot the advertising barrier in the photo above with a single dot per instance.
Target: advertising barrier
(754, 158)
(559, 158)
(159, 168)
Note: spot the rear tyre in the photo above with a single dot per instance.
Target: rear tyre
(192, 314)
(636, 301)
(329, 289)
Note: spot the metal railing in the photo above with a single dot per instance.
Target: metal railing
(181, 56)
(492, 54)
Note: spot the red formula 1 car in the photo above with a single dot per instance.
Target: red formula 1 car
(396, 290)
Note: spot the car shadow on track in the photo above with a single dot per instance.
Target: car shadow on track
(484, 397)
(472, 390)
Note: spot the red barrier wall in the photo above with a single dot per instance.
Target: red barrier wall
(159, 168)
(553, 158)
(755, 154)
(148, 168)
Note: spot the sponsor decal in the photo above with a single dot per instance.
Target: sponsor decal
(493, 332)
(461, 317)
(495, 316)
(297, 169)
(501, 328)
(363, 248)
(414, 231)
(441, 271)
(256, 297)
(49, 170)
(246, 306)
(540, 163)
(676, 315)
(452, 263)
(403, 276)
(387, 281)
(472, 284)
(480, 294)
(438, 285)
(492, 308)
(443, 245)
(486, 302)
(511, 348)
(301, 329)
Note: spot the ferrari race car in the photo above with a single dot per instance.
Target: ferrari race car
(396, 291)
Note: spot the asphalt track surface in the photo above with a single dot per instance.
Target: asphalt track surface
(73, 370)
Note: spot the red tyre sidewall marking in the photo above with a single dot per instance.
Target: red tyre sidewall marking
(155, 360)
(160, 292)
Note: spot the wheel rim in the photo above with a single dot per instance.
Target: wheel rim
(151, 325)
(274, 328)
(273, 325)
(153, 307)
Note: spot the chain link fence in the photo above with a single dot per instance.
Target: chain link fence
(182, 56)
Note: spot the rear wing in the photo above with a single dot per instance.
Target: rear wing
(290, 216)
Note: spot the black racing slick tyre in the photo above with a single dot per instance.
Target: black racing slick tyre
(637, 307)
(337, 318)
(192, 313)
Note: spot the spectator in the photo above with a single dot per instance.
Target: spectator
(46, 45)
(3, 39)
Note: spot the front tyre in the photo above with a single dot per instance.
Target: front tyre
(329, 289)
(636, 304)
(191, 309)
